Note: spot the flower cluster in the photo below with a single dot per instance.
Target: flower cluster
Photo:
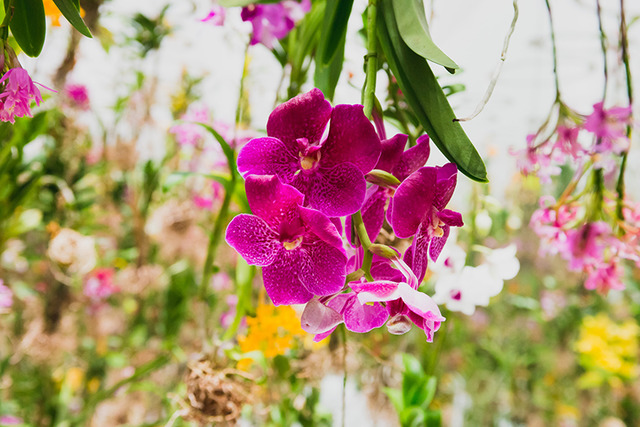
(590, 247)
(302, 178)
(17, 90)
(608, 351)
(272, 22)
(599, 137)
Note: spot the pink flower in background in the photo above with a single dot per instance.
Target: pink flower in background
(274, 21)
(604, 277)
(567, 145)
(99, 285)
(586, 245)
(189, 133)
(6, 296)
(550, 224)
(10, 420)
(78, 95)
(609, 125)
(17, 94)
(216, 15)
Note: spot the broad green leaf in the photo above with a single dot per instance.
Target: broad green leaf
(433, 418)
(326, 77)
(71, 11)
(2, 12)
(426, 98)
(414, 30)
(28, 25)
(412, 417)
(395, 396)
(412, 365)
(334, 29)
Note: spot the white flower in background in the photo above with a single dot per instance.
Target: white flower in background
(12, 258)
(463, 288)
(74, 251)
(6, 297)
(467, 289)
(503, 262)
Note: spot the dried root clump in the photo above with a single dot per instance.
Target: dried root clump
(215, 395)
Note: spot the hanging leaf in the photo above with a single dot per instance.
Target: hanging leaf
(414, 30)
(2, 12)
(426, 98)
(28, 25)
(71, 11)
(334, 29)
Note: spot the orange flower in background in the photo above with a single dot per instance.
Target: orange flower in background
(52, 11)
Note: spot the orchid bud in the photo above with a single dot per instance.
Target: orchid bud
(383, 251)
(399, 324)
(382, 178)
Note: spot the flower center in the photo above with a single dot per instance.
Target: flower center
(290, 245)
(456, 295)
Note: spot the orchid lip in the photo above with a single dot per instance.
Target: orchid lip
(292, 244)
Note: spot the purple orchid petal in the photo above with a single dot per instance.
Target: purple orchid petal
(446, 183)
(254, 240)
(352, 138)
(338, 223)
(416, 256)
(317, 318)
(372, 212)
(362, 318)
(413, 159)
(378, 291)
(322, 227)
(429, 324)
(391, 152)
(268, 156)
(304, 116)
(451, 218)
(335, 192)
(322, 268)
(282, 279)
(413, 202)
(320, 337)
(419, 302)
(271, 200)
(437, 243)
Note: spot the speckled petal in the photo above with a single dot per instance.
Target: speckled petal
(335, 192)
(446, 184)
(412, 159)
(437, 243)
(304, 116)
(322, 268)
(352, 138)
(412, 202)
(321, 226)
(416, 255)
(271, 200)
(391, 152)
(268, 156)
(254, 240)
(282, 279)
(452, 218)
(362, 318)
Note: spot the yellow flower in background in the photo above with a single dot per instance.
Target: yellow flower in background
(608, 351)
(273, 331)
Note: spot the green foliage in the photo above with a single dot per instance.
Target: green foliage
(69, 9)
(414, 29)
(413, 399)
(150, 31)
(28, 25)
(426, 98)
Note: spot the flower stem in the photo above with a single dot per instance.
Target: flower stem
(370, 59)
(363, 237)
(624, 45)
(603, 47)
(554, 50)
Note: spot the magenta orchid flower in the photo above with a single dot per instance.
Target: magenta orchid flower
(272, 22)
(418, 209)
(329, 172)
(404, 302)
(17, 94)
(322, 316)
(299, 248)
(398, 162)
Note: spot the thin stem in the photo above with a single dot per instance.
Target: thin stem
(363, 237)
(554, 50)
(370, 59)
(603, 46)
(496, 73)
(624, 45)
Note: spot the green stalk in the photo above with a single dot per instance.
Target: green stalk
(555, 52)
(624, 44)
(363, 237)
(370, 60)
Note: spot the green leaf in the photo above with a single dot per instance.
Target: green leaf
(414, 30)
(2, 12)
(433, 418)
(395, 396)
(426, 98)
(412, 417)
(28, 26)
(412, 365)
(334, 29)
(70, 10)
